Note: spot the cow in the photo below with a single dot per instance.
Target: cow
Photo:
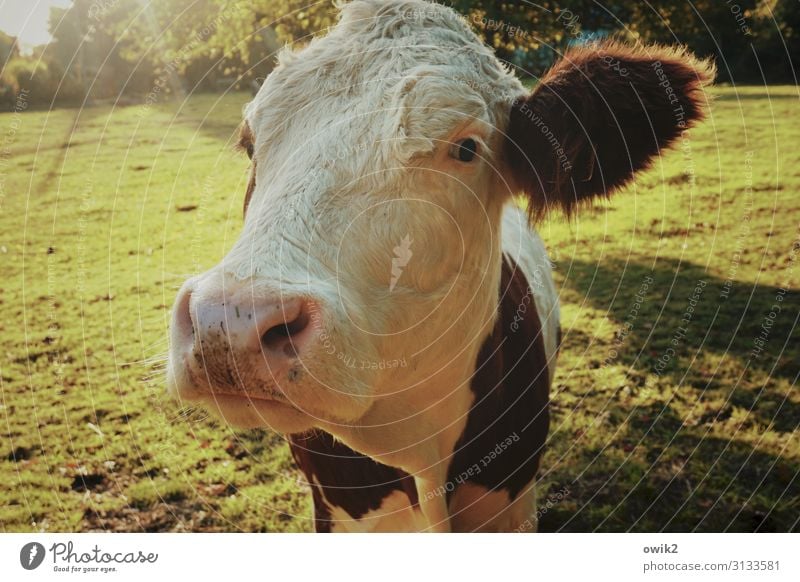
(389, 306)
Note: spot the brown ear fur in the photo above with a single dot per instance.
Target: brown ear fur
(600, 114)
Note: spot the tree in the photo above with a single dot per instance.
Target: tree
(8, 48)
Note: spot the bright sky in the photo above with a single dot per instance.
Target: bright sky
(27, 19)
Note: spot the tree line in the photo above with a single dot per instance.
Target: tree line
(130, 49)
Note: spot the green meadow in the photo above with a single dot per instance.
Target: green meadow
(675, 404)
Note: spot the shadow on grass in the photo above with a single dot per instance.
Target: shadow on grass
(726, 486)
(725, 318)
(669, 469)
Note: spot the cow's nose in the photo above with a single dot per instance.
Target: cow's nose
(270, 325)
(252, 327)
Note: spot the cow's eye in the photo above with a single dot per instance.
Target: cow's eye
(250, 150)
(465, 150)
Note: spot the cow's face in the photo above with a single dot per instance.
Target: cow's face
(369, 260)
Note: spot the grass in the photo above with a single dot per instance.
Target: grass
(658, 424)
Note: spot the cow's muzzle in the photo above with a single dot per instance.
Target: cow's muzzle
(238, 339)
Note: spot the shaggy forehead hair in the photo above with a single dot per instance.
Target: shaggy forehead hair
(395, 75)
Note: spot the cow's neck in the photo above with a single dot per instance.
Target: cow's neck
(420, 412)
(497, 394)
(417, 433)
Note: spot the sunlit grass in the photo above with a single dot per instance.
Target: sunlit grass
(94, 245)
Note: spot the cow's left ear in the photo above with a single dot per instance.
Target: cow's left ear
(600, 114)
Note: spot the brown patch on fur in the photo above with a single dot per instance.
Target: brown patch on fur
(341, 477)
(600, 114)
(251, 185)
(247, 140)
(508, 422)
(246, 143)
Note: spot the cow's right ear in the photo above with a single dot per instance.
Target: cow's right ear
(600, 114)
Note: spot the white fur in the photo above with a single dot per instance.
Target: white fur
(524, 245)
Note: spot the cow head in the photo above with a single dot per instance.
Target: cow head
(366, 274)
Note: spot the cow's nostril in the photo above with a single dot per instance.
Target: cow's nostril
(280, 336)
